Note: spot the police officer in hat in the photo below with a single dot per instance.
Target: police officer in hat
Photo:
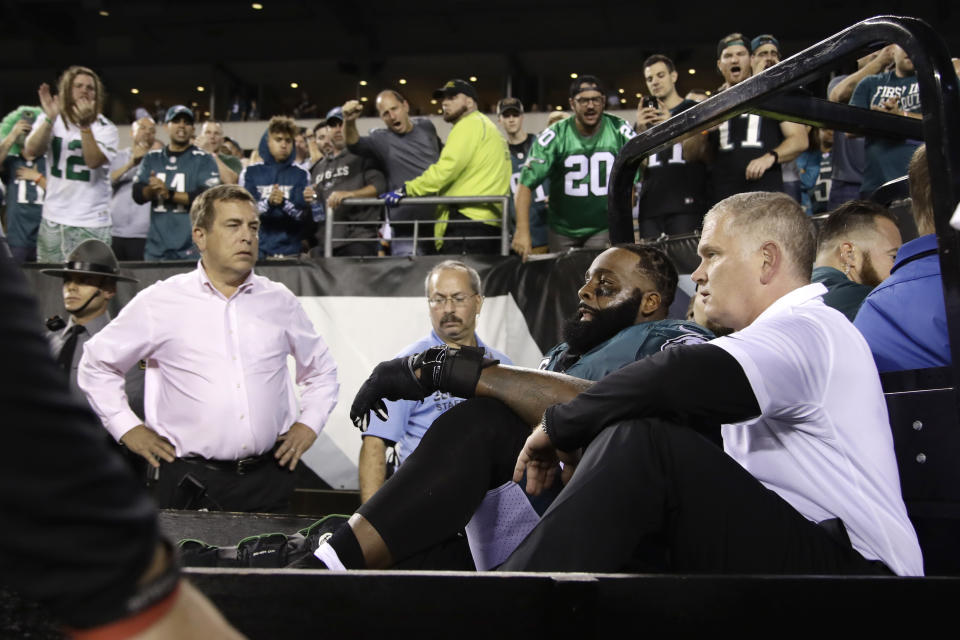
(90, 277)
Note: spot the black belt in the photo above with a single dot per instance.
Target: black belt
(238, 467)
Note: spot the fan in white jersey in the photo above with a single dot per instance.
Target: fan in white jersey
(78, 143)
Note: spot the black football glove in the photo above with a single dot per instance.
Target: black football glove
(455, 370)
(393, 380)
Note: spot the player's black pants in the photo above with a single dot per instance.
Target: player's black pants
(468, 450)
(649, 481)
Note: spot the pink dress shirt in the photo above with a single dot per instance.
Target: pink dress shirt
(217, 383)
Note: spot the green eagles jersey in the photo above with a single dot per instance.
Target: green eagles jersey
(192, 171)
(24, 201)
(579, 170)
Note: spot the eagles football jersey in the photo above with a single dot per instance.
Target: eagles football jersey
(736, 142)
(579, 172)
(24, 202)
(538, 208)
(672, 185)
(192, 171)
(78, 196)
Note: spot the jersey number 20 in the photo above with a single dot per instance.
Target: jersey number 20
(576, 182)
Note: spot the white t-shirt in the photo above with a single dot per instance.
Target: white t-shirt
(78, 196)
(823, 440)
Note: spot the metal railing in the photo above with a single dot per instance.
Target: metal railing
(330, 223)
(769, 94)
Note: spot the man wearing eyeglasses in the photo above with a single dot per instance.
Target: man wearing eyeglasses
(577, 155)
(454, 298)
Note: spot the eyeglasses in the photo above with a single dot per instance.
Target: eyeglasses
(458, 300)
(597, 100)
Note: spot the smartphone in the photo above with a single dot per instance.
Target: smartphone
(650, 101)
(29, 116)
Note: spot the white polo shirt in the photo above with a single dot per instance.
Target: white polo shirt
(823, 440)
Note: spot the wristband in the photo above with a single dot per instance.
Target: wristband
(455, 370)
(776, 156)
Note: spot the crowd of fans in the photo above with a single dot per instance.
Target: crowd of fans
(67, 178)
(71, 191)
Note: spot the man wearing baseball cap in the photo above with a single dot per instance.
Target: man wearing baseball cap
(748, 150)
(90, 277)
(170, 179)
(474, 162)
(510, 114)
(764, 52)
(577, 155)
(341, 175)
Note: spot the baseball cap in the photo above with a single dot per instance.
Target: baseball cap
(509, 104)
(731, 40)
(455, 86)
(766, 38)
(586, 83)
(175, 111)
(334, 114)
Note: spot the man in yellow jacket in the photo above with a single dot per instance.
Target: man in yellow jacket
(474, 162)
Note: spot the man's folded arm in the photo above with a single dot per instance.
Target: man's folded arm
(688, 385)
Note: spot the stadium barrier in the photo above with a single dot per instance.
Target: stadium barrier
(331, 223)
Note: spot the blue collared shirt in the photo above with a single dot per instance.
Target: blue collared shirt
(904, 318)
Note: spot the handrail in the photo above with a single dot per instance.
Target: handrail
(366, 202)
(764, 93)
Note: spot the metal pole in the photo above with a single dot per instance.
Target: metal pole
(328, 235)
(504, 231)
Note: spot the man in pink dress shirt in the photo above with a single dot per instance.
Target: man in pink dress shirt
(223, 429)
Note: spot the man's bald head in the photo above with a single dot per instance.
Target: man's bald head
(394, 110)
(144, 131)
